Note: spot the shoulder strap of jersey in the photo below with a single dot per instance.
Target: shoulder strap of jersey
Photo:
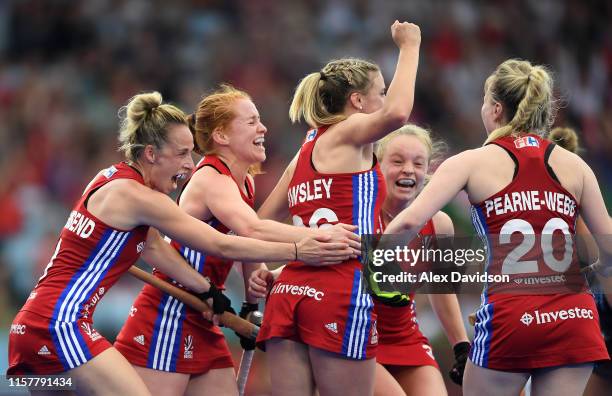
(217, 164)
(305, 157)
(250, 188)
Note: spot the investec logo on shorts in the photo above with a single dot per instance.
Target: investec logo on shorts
(283, 288)
(554, 316)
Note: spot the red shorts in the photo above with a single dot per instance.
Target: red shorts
(161, 333)
(400, 342)
(324, 307)
(518, 333)
(39, 345)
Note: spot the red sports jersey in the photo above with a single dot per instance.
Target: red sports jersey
(552, 319)
(217, 269)
(162, 333)
(89, 258)
(316, 199)
(400, 341)
(343, 324)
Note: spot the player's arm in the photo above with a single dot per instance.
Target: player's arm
(588, 253)
(448, 311)
(361, 128)
(248, 269)
(595, 214)
(146, 206)
(586, 246)
(450, 178)
(159, 254)
(261, 280)
(446, 306)
(227, 205)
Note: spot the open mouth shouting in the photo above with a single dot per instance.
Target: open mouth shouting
(178, 178)
(259, 142)
(405, 182)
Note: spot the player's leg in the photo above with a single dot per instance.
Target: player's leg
(559, 381)
(289, 366)
(385, 384)
(419, 380)
(51, 393)
(335, 374)
(162, 382)
(109, 373)
(479, 381)
(599, 385)
(214, 382)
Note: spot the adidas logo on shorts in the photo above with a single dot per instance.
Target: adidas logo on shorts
(44, 351)
(333, 327)
(140, 339)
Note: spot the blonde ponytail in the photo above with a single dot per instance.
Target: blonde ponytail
(320, 97)
(526, 94)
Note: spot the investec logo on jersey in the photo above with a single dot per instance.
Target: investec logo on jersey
(519, 201)
(554, 316)
(309, 191)
(540, 280)
(79, 224)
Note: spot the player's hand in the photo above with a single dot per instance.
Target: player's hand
(320, 251)
(381, 292)
(598, 268)
(247, 343)
(260, 283)
(406, 34)
(392, 299)
(217, 301)
(344, 233)
(461, 350)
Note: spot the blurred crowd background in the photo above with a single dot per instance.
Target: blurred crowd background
(66, 67)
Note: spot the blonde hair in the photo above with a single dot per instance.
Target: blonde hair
(320, 97)
(435, 148)
(216, 111)
(526, 94)
(564, 137)
(144, 121)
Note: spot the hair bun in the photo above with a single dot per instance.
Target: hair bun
(141, 105)
(564, 137)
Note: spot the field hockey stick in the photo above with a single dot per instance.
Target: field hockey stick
(227, 319)
(255, 318)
